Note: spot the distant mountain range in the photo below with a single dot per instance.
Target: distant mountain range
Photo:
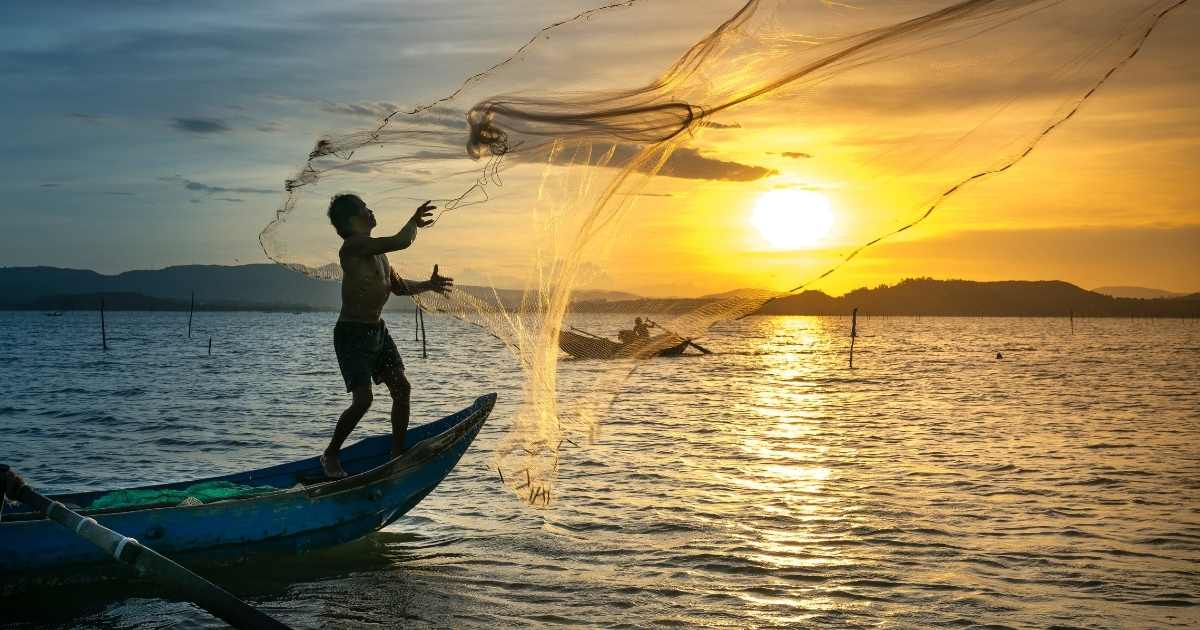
(1136, 292)
(249, 287)
(271, 287)
(255, 286)
(930, 297)
(963, 297)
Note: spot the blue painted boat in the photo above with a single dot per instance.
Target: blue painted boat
(307, 512)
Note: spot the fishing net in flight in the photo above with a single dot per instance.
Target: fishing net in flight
(624, 155)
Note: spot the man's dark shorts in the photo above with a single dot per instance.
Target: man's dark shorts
(364, 352)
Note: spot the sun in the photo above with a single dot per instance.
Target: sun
(789, 218)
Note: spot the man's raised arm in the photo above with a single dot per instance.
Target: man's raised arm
(369, 246)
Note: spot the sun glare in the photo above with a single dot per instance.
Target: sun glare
(792, 219)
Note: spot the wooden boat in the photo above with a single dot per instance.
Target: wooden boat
(308, 512)
(583, 346)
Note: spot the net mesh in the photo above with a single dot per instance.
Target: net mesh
(888, 109)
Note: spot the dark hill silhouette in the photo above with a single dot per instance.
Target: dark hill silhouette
(259, 286)
(964, 297)
(253, 285)
(118, 301)
(271, 287)
(1136, 292)
(942, 297)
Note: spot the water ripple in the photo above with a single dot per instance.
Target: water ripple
(763, 486)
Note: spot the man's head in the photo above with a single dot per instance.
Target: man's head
(637, 320)
(350, 215)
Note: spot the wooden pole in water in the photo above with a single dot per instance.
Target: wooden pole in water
(103, 332)
(191, 309)
(853, 334)
(424, 339)
(1072, 316)
(210, 346)
(416, 321)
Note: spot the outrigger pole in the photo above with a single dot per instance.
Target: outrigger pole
(589, 334)
(149, 563)
(691, 343)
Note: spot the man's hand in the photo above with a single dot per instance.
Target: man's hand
(423, 217)
(440, 284)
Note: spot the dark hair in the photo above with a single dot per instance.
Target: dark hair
(342, 208)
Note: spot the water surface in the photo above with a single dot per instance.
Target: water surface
(766, 485)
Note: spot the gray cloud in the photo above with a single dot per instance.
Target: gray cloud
(377, 110)
(209, 189)
(230, 199)
(200, 125)
(270, 127)
(712, 124)
(684, 163)
(119, 193)
(365, 109)
(88, 118)
(795, 154)
(688, 163)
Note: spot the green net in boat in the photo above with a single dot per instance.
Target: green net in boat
(206, 492)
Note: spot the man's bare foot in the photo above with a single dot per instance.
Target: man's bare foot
(332, 466)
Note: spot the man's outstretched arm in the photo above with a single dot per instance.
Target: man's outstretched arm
(369, 246)
(436, 282)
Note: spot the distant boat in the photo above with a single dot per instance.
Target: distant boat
(589, 346)
(54, 314)
(304, 511)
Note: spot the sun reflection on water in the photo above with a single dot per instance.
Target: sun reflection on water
(791, 469)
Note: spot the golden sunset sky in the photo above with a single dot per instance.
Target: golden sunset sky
(191, 123)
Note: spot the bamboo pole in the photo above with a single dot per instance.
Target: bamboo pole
(146, 561)
(103, 331)
(853, 334)
(424, 339)
(191, 309)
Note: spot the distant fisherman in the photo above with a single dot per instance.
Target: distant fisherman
(365, 350)
(640, 329)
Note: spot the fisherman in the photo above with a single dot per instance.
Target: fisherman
(640, 329)
(365, 350)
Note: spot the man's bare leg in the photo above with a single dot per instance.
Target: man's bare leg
(346, 423)
(401, 392)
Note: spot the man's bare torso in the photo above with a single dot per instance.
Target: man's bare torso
(366, 285)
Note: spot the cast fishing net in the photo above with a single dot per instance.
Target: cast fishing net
(579, 164)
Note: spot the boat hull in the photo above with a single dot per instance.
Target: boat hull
(584, 347)
(308, 513)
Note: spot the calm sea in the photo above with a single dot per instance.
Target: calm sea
(765, 485)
